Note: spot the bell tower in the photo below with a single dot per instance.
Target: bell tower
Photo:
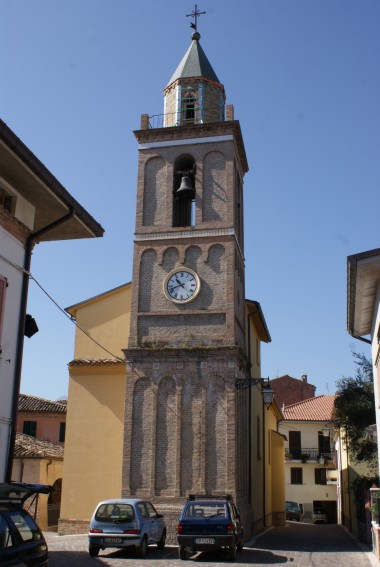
(185, 422)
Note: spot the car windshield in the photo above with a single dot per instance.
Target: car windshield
(115, 512)
(292, 506)
(205, 511)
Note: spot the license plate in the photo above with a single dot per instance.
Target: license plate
(205, 540)
(113, 540)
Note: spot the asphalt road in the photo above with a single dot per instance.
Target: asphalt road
(295, 545)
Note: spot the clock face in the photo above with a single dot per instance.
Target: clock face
(182, 286)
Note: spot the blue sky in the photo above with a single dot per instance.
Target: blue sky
(304, 78)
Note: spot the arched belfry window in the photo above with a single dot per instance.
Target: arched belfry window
(188, 103)
(184, 191)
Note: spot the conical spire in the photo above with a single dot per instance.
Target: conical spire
(194, 64)
(194, 94)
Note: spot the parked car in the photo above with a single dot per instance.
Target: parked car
(21, 540)
(209, 523)
(293, 511)
(126, 522)
(319, 516)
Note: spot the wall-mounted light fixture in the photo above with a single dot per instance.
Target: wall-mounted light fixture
(326, 430)
(268, 394)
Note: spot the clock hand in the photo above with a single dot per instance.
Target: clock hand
(179, 283)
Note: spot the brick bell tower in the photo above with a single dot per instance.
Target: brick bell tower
(186, 425)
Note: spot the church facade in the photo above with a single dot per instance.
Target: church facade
(164, 417)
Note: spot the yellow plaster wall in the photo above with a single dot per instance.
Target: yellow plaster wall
(94, 439)
(40, 471)
(106, 319)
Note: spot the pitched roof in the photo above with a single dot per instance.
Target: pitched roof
(30, 447)
(194, 64)
(32, 403)
(320, 408)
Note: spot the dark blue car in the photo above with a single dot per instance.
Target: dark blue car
(209, 523)
(21, 540)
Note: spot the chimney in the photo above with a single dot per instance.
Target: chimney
(304, 377)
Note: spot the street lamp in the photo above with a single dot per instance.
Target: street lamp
(326, 430)
(268, 394)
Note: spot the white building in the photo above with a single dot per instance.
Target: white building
(34, 207)
(363, 310)
(311, 470)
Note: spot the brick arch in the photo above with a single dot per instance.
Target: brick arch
(215, 257)
(141, 437)
(193, 255)
(214, 187)
(166, 436)
(148, 269)
(170, 258)
(154, 206)
(216, 442)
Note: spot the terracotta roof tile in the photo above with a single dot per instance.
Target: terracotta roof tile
(320, 408)
(96, 361)
(32, 403)
(30, 447)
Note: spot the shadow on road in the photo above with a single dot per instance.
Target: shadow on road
(308, 538)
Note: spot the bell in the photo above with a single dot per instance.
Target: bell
(186, 190)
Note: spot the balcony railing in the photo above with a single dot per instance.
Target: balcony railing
(310, 454)
(184, 117)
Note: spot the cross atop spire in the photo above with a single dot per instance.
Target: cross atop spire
(194, 14)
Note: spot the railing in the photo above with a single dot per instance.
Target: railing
(310, 454)
(184, 117)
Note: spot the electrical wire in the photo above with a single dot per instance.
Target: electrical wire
(73, 320)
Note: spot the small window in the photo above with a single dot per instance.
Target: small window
(189, 109)
(151, 510)
(143, 510)
(7, 201)
(296, 475)
(62, 431)
(30, 428)
(5, 534)
(26, 527)
(320, 476)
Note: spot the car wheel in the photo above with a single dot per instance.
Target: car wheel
(182, 553)
(161, 542)
(93, 550)
(232, 553)
(141, 549)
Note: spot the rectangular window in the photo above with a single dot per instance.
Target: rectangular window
(296, 475)
(30, 428)
(62, 432)
(323, 444)
(295, 444)
(320, 476)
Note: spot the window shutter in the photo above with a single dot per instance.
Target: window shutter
(3, 287)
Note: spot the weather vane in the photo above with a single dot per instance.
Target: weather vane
(194, 15)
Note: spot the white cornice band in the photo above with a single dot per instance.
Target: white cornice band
(193, 233)
(167, 143)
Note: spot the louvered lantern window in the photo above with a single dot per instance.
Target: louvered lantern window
(3, 288)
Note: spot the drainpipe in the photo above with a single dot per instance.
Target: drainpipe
(30, 242)
(249, 415)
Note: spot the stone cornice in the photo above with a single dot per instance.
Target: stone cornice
(196, 131)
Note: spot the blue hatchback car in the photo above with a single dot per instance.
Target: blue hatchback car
(209, 523)
(126, 522)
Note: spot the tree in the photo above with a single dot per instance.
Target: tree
(355, 411)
